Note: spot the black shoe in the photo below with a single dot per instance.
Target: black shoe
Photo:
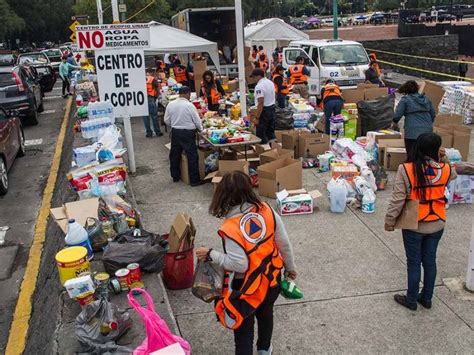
(176, 180)
(199, 183)
(70, 94)
(425, 304)
(402, 299)
(149, 135)
(64, 96)
(159, 134)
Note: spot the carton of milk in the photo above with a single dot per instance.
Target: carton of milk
(79, 285)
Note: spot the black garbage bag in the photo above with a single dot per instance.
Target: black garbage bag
(283, 119)
(135, 246)
(207, 282)
(99, 325)
(376, 114)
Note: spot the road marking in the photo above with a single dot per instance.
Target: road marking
(32, 142)
(47, 111)
(21, 318)
(51, 97)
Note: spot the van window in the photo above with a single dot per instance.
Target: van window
(349, 54)
(292, 54)
(314, 55)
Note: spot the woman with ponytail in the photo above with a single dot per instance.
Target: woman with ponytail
(424, 179)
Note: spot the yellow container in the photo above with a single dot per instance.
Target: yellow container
(72, 262)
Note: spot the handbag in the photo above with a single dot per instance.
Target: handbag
(408, 218)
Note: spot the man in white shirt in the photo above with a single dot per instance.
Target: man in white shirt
(184, 120)
(265, 102)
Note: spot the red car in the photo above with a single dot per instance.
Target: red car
(12, 144)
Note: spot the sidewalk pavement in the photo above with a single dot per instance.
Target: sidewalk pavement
(349, 269)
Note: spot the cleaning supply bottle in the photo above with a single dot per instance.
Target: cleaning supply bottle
(337, 192)
(368, 202)
(78, 236)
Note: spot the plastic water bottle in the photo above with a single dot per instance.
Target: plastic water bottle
(368, 202)
(78, 236)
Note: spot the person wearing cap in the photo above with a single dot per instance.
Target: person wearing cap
(181, 115)
(298, 74)
(331, 101)
(265, 102)
(282, 89)
(153, 91)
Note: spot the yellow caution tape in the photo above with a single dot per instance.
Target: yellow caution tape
(426, 71)
(416, 56)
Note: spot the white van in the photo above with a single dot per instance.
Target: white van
(343, 61)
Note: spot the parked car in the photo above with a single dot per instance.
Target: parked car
(20, 90)
(12, 144)
(46, 74)
(7, 59)
(54, 55)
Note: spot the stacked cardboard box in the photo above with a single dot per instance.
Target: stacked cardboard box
(453, 133)
(182, 233)
(305, 143)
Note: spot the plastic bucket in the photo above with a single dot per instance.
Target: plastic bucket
(179, 270)
(72, 262)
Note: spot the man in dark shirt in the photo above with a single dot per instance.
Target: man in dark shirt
(371, 75)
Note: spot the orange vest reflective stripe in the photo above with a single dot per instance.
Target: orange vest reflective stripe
(254, 232)
(296, 74)
(433, 207)
(285, 91)
(331, 90)
(150, 90)
(214, 94)
(179, 74)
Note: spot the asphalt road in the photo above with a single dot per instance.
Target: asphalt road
(19, 208)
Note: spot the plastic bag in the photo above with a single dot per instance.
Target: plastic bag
(109, 137)
(283, 118)
(146, 249)
(99, 325)
(207, 282)
(158, 335)
(96, 236)
(376, 114)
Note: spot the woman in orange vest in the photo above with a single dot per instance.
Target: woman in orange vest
(298, 74)
(263, 62)
(256, 248)
(180, 73)
(282, 89)
(331, 101)
(423, 179)
(211, 90)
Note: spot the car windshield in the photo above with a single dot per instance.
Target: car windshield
(34, 58)
(6, 59)
(348, 54)
(53, 53)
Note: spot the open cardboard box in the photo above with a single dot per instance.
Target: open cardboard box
(279, 174)
(394, 156)
(383, 144)
(275, 154)
(294, 202)
(279, 134)
(313, 144)
(453, 133)
(226, 166)
(376, 136)
(434, 91)
(374, 93)
(290, 140)
(182, 233)
(78, 210)
(202, 155)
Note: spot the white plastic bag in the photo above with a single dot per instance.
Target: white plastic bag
(337, 193)
(109, 137)
(369, 176)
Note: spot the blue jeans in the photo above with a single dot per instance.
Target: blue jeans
(153, 115)
(421, 249)
(281, 100)
(332, 107)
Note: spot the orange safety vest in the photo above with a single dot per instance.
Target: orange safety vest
(331, 90)
(214, 94)
(263, 64)
(179, 74)
(254, 232)
(285, 91)
(296, 74)
(150, 90)
(433, 207)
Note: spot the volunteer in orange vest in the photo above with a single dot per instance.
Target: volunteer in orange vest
(263, 62)
(298, 74)
(180, 73)
(373, 59)
(211, 90)
(282, 88)
(424, 179)
(257, 248)
(152, 90)
(332, 101)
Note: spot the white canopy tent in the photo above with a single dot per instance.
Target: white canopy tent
(167, 39)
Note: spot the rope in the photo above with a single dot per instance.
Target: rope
(140, 11)
(419, 57)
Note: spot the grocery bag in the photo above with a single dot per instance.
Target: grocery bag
(207, 282)
(158, 335)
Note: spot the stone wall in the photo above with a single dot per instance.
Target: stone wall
(446, 47)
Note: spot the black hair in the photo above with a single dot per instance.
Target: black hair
(299, 59)
(260, 47)
(410, 87)
(426, 148)
(254, 47)
(184, 90)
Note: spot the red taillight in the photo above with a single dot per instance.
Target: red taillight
(18, 82)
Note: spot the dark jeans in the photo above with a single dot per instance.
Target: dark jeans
(266, 125)
(409, 145)
(420, 249)
(243, 336)
(281, 100)
(184, 139)
(332, 107)
(66, 86)
(153, 115)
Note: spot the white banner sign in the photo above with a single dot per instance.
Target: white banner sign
(121, 78)
(118, 36)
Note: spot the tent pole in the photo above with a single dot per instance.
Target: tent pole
(239, 28)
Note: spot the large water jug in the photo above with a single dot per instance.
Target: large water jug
(78, 236)
(337, 192)
(368, 202)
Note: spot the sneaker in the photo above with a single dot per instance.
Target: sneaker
(176, 180)
(159, 134)
(402, 300)
(425, 304)
(149, 135)
(64, 96)
(199, 183)
(266, 352)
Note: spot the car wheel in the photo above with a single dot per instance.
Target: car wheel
(22, 150)
(32, 119)
(3, 177)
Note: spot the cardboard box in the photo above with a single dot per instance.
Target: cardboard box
(446, 118)
(78, 210)
(296, 202)
(394, 157)
(366, 86)
(383, 144)
(232, 85)
(202, 155)
(278, 175)
(382, 135)
(226, 166)
(182, 233)
(290, 141)
(313, 144)
(262, 148)
(454, 134)
(279, 134)
(347, 172)
(434, 91)
(199, 67)
(374, 93)
(275, 154)
(353, 95)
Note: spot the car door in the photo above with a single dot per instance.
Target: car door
(289, 57)
(6, 141)
(31, 81)
(47, 78)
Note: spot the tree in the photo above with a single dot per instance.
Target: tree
(11, 22)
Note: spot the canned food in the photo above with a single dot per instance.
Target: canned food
(135, 274)
(115, 284)
(85, 298)
(138, 284)
(123, 276)
(102, 281)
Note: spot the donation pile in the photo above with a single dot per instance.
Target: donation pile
(459, 99)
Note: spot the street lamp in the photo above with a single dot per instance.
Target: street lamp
(334, 19)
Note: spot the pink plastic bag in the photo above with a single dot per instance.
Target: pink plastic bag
(158, 335)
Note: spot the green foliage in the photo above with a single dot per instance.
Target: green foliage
(11, 23)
